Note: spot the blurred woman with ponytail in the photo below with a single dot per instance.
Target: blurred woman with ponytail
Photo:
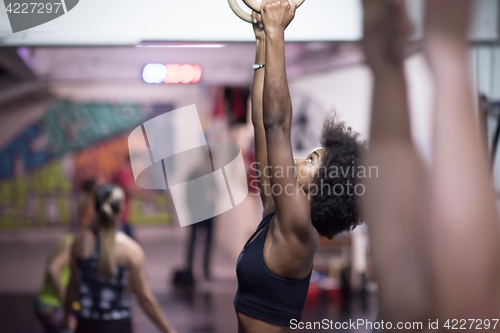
(103, 262)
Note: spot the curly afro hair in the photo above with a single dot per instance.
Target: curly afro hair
(334, 207)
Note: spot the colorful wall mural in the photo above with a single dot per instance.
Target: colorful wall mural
(41, 169)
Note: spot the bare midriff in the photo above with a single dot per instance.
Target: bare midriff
(247, 324)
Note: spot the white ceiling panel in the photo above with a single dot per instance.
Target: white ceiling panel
(127, 22)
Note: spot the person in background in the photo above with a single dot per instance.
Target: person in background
(124, 178)
(207, 225)
(48, 305)
(104, 261)
(203, 197)
(86, 209)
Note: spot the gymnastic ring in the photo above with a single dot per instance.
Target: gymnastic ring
(255, 6)
(240, 12)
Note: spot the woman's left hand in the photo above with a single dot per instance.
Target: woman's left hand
(258, 27)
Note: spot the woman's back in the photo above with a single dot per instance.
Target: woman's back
(102, 298)
(124, 247)
(102, 263)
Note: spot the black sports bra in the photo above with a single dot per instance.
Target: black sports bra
(262, 294)
(101, 300)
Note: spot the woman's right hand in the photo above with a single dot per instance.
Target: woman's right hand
(277, 15)
(386, 28)
(258, 27)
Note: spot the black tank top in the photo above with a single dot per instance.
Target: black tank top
(262, 294)
(101, 299)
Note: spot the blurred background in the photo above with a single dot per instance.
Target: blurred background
(72, 90)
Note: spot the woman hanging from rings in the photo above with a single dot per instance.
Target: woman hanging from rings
(302, 198)
(103, 262)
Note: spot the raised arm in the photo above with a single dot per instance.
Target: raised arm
(394, 204)
(465, 225)
(258, 123)
(292, 206)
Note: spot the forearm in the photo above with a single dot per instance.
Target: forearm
(56, 280)
(396, 210)
(463, 197)
(258, 124)
(395, 204)
(277, 102)
(390, 117)
(258, 83)
(152, 309)
(461, 163)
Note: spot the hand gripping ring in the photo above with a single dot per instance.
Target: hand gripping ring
(254, 5)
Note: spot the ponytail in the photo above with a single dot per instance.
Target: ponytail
(108, 202)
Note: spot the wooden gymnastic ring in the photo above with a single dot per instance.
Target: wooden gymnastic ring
(255, 6)
(240, 12)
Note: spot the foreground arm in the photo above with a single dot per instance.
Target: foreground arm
(465, 231)
(394, 203)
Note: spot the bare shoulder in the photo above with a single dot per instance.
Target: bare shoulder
(129, 246)
(293, 232)
(297, 242)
